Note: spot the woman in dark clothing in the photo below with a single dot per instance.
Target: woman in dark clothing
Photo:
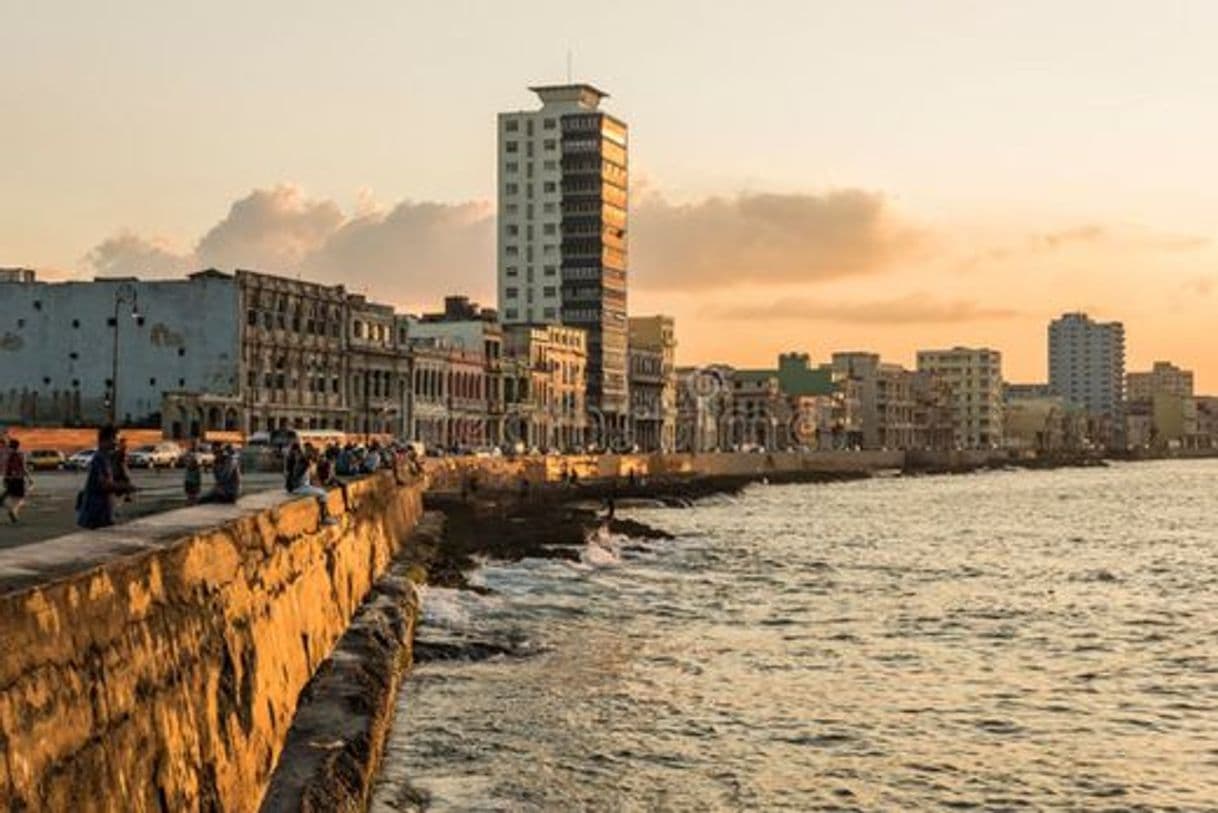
(16, 479)
(95, 504)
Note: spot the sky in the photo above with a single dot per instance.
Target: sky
(805, 175)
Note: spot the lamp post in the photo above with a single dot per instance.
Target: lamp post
(124, 294)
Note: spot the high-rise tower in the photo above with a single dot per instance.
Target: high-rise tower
(562, 230)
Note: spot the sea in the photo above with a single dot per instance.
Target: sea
(1007, 640)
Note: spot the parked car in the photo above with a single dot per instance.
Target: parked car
(206, 453)
(81, 460)
(45, 460)
(164, 455)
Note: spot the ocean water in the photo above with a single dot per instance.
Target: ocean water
(997, 641)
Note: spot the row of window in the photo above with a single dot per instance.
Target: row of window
(547, 188)
(549, 271)
(514, 250)
(513, 125)
(548, 291)
(514, 209)
(512, 314)
(512, 230)
(549, 145)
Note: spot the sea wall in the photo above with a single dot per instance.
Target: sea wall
(498, 473)
(156, 666)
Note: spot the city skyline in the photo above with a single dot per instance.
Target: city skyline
(811, 213)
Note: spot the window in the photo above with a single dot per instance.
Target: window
(549, 228)
(550, 144)
(76, 323)
(549, 186)
(548, 313)
(511, 251)
(511, 313)
(550, 165)
(251, 317)
(511, 126)
(511, 208)
(73, 355)
(511, 189)
(549, 291)
(548, 124)
(512, 146)
(551, 270)
(511, 293)
(549, 208)
(182, 381)
(181, 352)
(152, 382)
(512, 229)
(511, 271)
(511, 166)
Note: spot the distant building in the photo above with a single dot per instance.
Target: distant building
(886, 399)
(562, 247)
(544, 386)
(1087, 368)
(653, 382)
(1163, 377)
(1023, 392)
(25, 275)
(975, 378)
(704, 402)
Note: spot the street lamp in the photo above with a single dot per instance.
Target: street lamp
(124, 294)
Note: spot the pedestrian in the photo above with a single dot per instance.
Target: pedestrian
(17, 480)
(122, 471)
(95, 502)
(372, 460)
(193, 474)
(226, 472)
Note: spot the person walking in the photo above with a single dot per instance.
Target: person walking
(120, 466)
(95, 503)
(17, 480)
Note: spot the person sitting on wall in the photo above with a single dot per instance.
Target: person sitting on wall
(297, 469)
(95, 502)
(372, 460)
(192, 480)
(326, 478)
(226, 472)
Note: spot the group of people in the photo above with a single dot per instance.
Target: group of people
(307, 470)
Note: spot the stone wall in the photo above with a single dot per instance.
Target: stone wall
(145, 671)
(497, 473)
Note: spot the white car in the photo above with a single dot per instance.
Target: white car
(81, 460)
(155, 455)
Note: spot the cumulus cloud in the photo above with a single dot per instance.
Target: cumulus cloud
(911, 309)
(765, 238)
(410, 254)
(274, 229)
(126, 254)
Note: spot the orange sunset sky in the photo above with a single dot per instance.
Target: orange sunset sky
(805, 175)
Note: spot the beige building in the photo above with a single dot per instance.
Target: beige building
(975, 378)
(1162, 377)
(704, 400)
(545, 386)
(653, 369)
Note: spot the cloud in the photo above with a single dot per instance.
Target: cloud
(1201, 286)
(1126, 239)
(126, 254)
(762, 238)
(410, 254)
(272, 229)
(912, 309)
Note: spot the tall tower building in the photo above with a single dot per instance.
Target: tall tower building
(562, 230)
(1087, 364)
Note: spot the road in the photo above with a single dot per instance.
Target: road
(50, 509)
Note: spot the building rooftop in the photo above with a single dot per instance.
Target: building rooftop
(582, 94)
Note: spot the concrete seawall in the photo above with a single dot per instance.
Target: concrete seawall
(157, 665)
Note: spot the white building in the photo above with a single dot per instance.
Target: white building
(64, 345)
(975, 378)
(1087, 364)
(562, 230)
